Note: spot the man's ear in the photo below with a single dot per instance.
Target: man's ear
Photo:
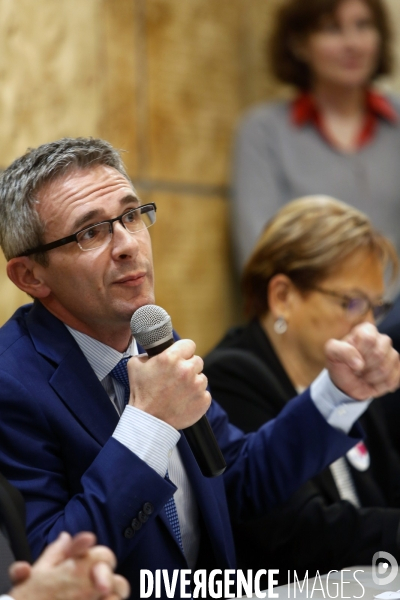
(25, 273)
(280, 289)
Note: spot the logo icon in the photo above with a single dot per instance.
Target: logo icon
(385, 571)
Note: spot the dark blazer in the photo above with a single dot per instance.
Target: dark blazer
(56, 423)
(391, 402)
(12, 525)
(314, 529)
(12, 519)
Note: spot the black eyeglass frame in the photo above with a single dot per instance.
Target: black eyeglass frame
(73, 237)
(381, 306)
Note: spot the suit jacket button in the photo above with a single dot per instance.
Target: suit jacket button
(148, 508)
(142, 516)
(136, 524)
(129, 533)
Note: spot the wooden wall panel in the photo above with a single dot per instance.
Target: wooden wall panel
(120, 61)
(193, 88)
(193, 266)
(49, 72)
(257, 85)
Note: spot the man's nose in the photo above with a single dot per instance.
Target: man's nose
(123, 242)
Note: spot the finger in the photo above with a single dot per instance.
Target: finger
(102, 577)
(339, 351)
(380, 390)
(19, 571)
(184, 348)
(121, 586)
(379, 353)
(201, 382)
(55, 552)
(384, 371)
(103, 554)
(386, 384)
(121, 589)
(142, 358)
(196, 363)
(80, 544)
(209, 399)
(364, 337)
(381, 358)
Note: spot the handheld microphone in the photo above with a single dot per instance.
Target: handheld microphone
(151, 326)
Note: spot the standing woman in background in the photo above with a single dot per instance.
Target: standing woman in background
(338, 136)
(316, 272)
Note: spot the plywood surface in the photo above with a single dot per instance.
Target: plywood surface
(49, 72)
(193, 87)
(193, 265)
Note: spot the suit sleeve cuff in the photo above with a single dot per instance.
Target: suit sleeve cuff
(338, 409)
(151, 439)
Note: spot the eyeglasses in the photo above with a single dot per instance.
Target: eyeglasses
(99, 234)
(359, 304)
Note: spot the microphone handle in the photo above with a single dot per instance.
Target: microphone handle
(204, 446)
(200, 436)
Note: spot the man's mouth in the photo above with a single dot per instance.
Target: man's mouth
(131, 280)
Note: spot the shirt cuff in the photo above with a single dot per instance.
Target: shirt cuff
(151, 439)
(6, 598)
(338, 409)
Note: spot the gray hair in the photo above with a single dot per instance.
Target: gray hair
(20, 225)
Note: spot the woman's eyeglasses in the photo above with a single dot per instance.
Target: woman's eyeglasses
(358, 305)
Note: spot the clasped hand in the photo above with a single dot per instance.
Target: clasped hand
(364, 364)
(71, 568)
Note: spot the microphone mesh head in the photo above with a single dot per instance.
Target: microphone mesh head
(151, 325)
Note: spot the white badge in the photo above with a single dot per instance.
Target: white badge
(358, 457)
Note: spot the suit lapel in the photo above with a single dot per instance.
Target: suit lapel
(81, 392)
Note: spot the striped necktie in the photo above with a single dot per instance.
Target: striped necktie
(120, 374)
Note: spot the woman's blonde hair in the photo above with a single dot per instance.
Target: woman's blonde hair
(307, 240)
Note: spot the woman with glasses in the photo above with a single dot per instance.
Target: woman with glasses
(317, 270)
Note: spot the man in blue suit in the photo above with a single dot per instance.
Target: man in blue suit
(76, 239)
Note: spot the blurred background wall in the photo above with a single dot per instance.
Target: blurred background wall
(166, 81)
